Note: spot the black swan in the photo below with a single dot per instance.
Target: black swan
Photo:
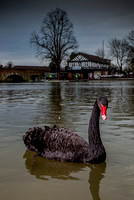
(64, 145)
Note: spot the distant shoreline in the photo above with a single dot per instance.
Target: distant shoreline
(90, 80)
(80, 80)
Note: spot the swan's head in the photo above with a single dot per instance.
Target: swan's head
(103, 104)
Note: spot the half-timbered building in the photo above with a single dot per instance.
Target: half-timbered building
(86, 66)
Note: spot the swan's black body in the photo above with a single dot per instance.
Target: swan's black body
(64, 145)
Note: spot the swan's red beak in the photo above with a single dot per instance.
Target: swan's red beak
(103, 112)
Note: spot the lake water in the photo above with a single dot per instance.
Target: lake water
(69, 105)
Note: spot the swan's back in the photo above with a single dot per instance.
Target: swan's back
(57, 143)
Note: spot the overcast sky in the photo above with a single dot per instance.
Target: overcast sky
(94, 21)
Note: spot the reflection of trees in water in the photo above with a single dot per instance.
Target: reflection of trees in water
(123, 101)
(66, 102)
(55, 102)
(58, 108)
(49, 105)
(45, 169)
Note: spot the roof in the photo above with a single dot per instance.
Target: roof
(93, 58)
(41, 68)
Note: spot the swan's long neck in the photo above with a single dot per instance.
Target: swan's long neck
(93, 131)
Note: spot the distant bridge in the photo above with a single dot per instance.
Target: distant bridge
(23, 73)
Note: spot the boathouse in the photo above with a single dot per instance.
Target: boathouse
(86, 66)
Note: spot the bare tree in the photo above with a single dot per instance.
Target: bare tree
(130, 46)
(131, 38)
(100, 52)
(56, 37)
(118, 51)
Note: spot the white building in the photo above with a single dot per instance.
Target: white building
(88, 66)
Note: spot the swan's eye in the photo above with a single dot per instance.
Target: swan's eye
(103, 112)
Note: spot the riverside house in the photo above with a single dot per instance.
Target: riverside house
(86, 66)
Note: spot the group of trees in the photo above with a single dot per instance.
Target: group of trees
(56, 39)
(123, 50)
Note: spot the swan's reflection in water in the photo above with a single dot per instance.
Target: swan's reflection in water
(45, 169)
(96, 175)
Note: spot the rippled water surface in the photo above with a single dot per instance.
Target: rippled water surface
(24, 176)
